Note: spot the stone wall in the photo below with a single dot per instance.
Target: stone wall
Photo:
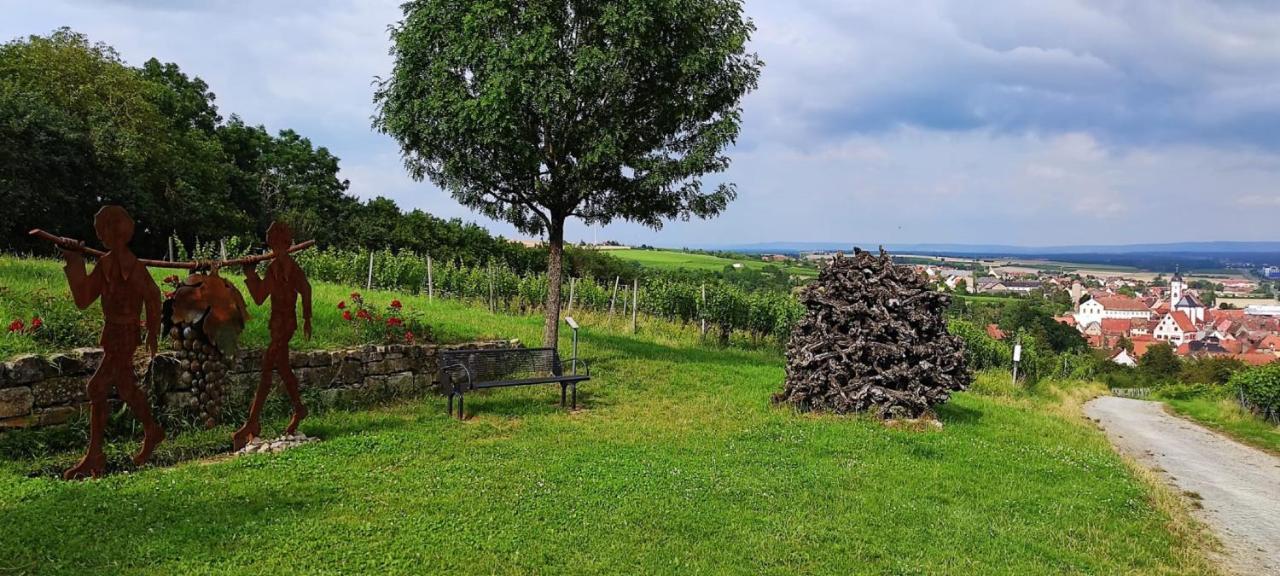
(45, 390)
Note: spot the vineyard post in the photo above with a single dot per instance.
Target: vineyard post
(493, 306)
(635, 304)
(573, 284)
(431, 288)
(368, 283)
(613, 299)
(702, 312)
(171, 247)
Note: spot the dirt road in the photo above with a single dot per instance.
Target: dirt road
(1237, 486)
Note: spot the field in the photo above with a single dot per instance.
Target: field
(675, 260)
(678, 463)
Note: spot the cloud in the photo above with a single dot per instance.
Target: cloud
(1048, 122)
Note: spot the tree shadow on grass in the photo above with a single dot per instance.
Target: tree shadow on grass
(504, 402)
(105, 527)
(952, 413)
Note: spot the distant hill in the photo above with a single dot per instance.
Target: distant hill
(1203, 248)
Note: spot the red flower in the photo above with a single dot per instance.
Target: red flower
(363, 315)
(342, 305)
(408, 337)
(36, 322)
(395, 304)
(346, 315)
(355, 295)
(16, 326)
(393, 321)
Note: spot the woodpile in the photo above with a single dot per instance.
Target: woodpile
(873, 339)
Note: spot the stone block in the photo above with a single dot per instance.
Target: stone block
(28, 369)
(389, 365)
(319, 378)
(350, 371)
(16, 402)
(67, 364)
(60, 391)
(17, 422)
(90, 358)
(55, 415)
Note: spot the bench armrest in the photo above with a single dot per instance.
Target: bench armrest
(453, 367)
(583, 362)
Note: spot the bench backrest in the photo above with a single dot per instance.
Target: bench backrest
(504, 365)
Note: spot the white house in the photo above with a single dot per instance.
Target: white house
(1124, 358)
(1095, 309)
(1175, 328)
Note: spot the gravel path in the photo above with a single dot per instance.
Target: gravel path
(1238, 487)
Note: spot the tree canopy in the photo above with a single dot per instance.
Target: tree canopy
(80, 128)
(539, 111)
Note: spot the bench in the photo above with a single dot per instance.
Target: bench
(464, 370)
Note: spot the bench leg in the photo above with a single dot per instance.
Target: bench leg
(562, 398)
(575, 395)
(451, 404)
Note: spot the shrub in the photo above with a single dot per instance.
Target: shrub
(1259, 390)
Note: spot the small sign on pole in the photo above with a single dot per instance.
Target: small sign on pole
(1017, 357)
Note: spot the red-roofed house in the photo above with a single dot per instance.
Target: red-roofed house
(1175, 328)
(1100, 307)
(1256, 358)
(1140, 345)
(1270, 344)
(1116, 327)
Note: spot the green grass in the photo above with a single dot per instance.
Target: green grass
(678, 463)
(1227, 416)
(675, 260)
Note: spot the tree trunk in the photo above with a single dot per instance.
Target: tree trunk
(555, 255)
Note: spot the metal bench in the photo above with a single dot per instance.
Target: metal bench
(464, 370)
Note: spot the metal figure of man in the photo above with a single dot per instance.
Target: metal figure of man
(284, 282)
(125, 287)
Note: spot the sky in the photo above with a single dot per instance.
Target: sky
(900, 121)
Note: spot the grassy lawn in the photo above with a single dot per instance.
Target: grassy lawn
(677, 464)
(1228, 417)
(675, 260)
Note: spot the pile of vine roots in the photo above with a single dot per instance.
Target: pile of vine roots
(873, 339)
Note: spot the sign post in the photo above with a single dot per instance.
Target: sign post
(574, 325)
(1017, 357)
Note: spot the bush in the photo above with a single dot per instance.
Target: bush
(982, 351)
(1259, 390)
(1189, 391)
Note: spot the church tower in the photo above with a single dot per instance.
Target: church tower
(1176, 286)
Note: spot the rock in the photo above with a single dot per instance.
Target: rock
(60, 391)
(16, 402)
(56, 415)
(28, 369)
(90, 358)
(389, 365)
(67, 364)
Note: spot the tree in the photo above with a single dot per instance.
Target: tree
(1159, 364)
(535, 112)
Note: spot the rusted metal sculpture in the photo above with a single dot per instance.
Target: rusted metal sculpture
(125, 286)
(204, 319)
(284, 283)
